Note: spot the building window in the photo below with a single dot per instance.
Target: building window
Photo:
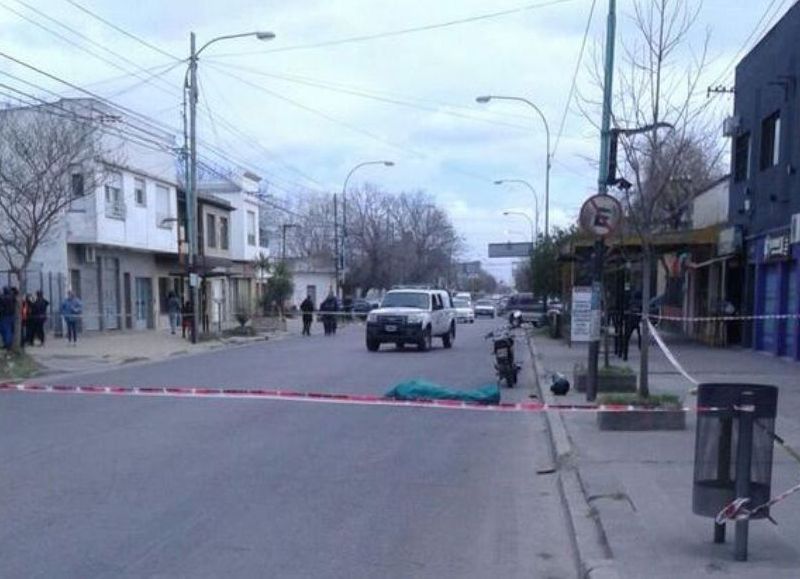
(211, 230)
(139, 192)
(164, 216)
(223, 233)
(251, 228)
(77, 185)
(741, 161)
(770, 140)
(115, 202)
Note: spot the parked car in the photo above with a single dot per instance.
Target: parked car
(485, 307)
(533, 310)
(464, 311)
(412, 316)
(362, 307)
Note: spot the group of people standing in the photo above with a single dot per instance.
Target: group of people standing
(33, 315)
(328, 307)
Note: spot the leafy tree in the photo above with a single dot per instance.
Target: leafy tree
(280, 284)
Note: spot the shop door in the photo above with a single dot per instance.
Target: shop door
(770, 306)
(144, 300)
(110, 289)
(792, 307)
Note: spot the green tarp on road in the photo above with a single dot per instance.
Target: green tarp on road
(423, 390)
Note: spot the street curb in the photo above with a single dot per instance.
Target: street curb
(593, 556)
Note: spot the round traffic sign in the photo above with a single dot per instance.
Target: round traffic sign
(600, 215)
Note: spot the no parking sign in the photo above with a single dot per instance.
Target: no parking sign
(600, 215)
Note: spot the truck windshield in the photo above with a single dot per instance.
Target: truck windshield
(407, 300)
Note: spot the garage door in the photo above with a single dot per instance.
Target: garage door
(770, 305)
(792, 307)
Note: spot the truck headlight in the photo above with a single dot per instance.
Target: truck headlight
(372, 317)
(415, 318)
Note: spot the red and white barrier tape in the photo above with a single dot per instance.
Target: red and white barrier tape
(668, 353)
(323, 397)
(737, 510)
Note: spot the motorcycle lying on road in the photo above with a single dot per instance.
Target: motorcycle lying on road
(503, 351)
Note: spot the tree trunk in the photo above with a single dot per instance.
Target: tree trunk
(16, 344)
(644, 361)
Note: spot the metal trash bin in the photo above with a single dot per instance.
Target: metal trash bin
(716, 445)
(554, 323)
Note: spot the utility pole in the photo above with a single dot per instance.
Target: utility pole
(336, 240)
(602, 184)
(191, 192)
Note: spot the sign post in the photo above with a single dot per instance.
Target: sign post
(600, 215)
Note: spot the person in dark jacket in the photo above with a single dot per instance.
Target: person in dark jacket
(39, 311)
(7, 307)
(329, 319)
(307, 307)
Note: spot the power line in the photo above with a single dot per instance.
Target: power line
(349, 126)
(757, 29)
(366, 95)
(254, 142)
(75, 44)
(122, 30)
(403, 31)
(574, 80)
(319, 113)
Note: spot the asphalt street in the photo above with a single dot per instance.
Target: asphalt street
(101, 486)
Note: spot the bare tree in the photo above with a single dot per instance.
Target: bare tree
(41, 148)
(658, 80)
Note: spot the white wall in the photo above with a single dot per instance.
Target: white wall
(323, 281)
(711, 207)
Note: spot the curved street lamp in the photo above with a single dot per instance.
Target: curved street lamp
(535, 198)
(190, 146)
(340, 260)
(485, 99)
(526, 216)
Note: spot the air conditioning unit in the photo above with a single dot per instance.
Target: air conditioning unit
(794, 235)
(730, 126)
(89, 254)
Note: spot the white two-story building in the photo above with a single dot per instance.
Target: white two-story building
(123, 214)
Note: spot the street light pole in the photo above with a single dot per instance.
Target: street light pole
(486, 99)
(535, 199)
(191, 191)
(341, 259)
(525, 215)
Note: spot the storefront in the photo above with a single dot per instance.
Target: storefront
(777, 294)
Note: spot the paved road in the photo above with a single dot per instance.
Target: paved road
(96, 486)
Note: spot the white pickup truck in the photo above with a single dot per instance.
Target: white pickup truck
(412, 316)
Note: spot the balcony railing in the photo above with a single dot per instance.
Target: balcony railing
(116, 210)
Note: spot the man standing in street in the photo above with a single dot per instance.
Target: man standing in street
(329, 319)
(71, 309)
(307, 307)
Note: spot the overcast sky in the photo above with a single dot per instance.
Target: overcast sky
(303, 115)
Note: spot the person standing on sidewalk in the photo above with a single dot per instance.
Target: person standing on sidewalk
(26, 320)
(174, 311)
(187, 318)
(7, 318)
(72, 309)
(39, 311)
(307, 307)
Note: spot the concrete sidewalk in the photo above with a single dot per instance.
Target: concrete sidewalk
(102, 350)
(640, 483)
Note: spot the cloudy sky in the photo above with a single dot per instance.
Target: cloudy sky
(304, 108)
